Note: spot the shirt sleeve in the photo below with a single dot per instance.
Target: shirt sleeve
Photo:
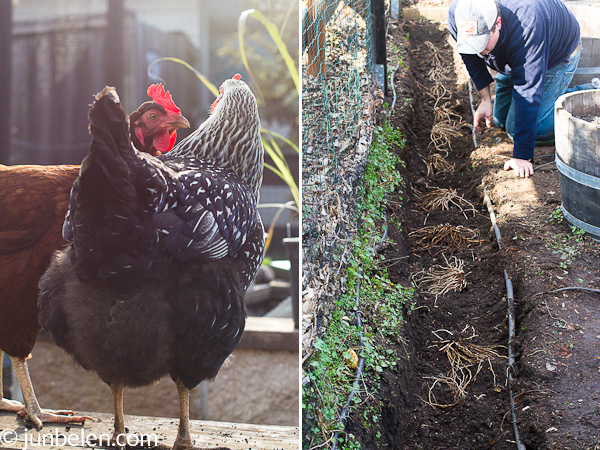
(478, 71)
(528, 76)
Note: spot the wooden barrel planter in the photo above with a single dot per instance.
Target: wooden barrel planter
(578, 158)
(589, 63)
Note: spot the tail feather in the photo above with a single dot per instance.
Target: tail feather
(104, 218)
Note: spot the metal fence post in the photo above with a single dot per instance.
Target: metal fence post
(378, 27)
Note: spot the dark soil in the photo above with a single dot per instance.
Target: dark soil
(557, 392)
(590, 118)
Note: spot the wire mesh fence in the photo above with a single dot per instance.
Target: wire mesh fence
(339, 100)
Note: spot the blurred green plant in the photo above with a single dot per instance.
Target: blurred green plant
(205, 81)
(281, 167)
(274, 33)
(267, 43)
(273, 149)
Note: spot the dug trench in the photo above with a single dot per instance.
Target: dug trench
(450, 388)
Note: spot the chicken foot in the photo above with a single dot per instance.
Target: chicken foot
(32, 410)
(6, 404)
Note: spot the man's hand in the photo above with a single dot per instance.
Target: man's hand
(522, 167)
(484, 111)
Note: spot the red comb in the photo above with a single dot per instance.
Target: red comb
(237, 76)
(158, 94)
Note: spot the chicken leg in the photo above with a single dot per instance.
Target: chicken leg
(6, 404)
(117, 399)
(32, 410)
(120, 439)
(184, 440)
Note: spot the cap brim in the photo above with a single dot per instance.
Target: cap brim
(471, 45)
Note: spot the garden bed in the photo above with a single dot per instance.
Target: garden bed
(450, 389)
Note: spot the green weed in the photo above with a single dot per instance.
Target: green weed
(383, 305)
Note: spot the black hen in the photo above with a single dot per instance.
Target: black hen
(163, 251)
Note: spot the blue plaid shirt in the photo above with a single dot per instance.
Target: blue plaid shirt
(535, 35)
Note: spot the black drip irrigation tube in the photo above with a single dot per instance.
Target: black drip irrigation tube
(360, 367)
(509, 296)
(511, 321)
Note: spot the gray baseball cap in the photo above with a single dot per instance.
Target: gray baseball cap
(474, 19)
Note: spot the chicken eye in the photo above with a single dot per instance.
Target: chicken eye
(152, 116)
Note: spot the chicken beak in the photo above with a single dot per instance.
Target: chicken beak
(177, 121)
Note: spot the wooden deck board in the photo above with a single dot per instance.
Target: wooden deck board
(270, 333)
(14, 434)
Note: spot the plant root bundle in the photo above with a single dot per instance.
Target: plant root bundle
(436, 163)
(441, 133)
(439, 71)
(466, 361)
(445, 235)
(440, 199)
(446, 121)
(446, 113)
(441, 279)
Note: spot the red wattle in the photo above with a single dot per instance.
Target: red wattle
(214, 105)
(140, 136)
(163, 142)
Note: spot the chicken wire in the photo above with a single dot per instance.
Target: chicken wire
(339, 104)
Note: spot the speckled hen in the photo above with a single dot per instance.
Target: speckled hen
(163, 252)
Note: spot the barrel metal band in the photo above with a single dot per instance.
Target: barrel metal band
(575, 175)
(588, 228)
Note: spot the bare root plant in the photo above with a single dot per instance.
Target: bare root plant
(446, 121)
(436, 163)
(441, 134)
(446, 124)
(440, 279)
(441, 199)
(438, 92)
(466, 361)
(445, 235)
(446, 113)
(439, 71)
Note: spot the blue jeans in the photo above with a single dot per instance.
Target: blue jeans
(556, 84)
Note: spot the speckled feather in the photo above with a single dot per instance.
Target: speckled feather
(230, 137)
